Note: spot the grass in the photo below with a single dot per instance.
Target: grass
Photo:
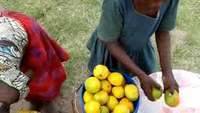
(71, 22)
(186, 56)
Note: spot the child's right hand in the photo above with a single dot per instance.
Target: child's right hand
(147, 84)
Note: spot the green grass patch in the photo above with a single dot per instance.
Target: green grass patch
(187, 55)
(71, 22)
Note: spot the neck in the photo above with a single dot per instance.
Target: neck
(139, 5)
(143, 7)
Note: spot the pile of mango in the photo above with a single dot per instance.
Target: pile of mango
(108, 92)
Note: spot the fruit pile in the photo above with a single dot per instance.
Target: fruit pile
(107, 92)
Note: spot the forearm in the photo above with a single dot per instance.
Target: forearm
(118, 52)
(164, 49)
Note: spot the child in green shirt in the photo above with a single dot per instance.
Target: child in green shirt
(122, 39)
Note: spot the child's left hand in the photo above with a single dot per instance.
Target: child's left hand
(170, 83)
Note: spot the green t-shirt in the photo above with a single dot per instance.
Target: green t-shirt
(120, 21)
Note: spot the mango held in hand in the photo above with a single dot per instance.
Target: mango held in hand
(92, 107)
(116, 79)
(101, 72)
(92, 85)
(131, 92)
(120, 108)
(156, 93)
(172, 100)
(101, 97)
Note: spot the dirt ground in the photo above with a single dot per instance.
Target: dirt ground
(68, 102)
(63, 104)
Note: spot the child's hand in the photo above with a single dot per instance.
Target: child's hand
(170, 83)
(147, 84)
(8, 95)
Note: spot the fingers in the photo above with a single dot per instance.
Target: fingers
(149, 96)
(171, 88)
(174, 87)
(177, 87)
(148, 87)
(147, 92)
(156, 85)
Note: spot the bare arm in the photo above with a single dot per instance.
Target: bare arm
(164, 49)
(118, 52)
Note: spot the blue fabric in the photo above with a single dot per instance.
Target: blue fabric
(121, 22)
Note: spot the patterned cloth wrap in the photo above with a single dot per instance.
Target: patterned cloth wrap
(43, 58)
(13, 39)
